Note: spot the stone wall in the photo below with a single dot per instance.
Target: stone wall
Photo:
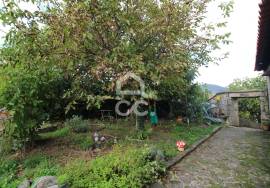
(227, 103)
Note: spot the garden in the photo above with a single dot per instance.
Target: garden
(59, 66)
(125, 158)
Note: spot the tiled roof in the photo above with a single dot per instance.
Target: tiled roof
(263, 44)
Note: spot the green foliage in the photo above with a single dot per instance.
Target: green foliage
(190, 105)
(9, 141)
(190, 134)
(77, 124)
(32, 167)
(129, 164)
(8, 173)
(31, 97)
(39, 167)
(142, 134)
(257, 83)
(3, 80)
(85, 142)
(96, 42)
(55, 134)
(124, 167)
(249, 108)
(33, 161)
(69, 53)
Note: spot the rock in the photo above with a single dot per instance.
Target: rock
(160, 156)
(157, 155)
(102, 139)
(25, 184)
(55, 186)
(46, 182)
(96, 137)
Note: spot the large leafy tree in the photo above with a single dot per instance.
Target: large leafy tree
(92, 43)
(95, 42)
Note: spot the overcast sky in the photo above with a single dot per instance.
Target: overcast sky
(243, 25)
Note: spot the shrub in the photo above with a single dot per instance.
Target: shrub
(77, 124)
(8, 171)
(84, 142)
(33, 161)
(32, 96)
(250, 109)
(43, 166)
(33, 167)
(124, 167)
(10, 141)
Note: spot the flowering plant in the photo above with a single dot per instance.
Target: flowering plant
(180, 145)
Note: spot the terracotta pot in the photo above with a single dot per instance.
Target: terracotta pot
(179, 119)
(181, 149)
(265, 127)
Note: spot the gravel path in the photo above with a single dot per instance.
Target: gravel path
(234, 157)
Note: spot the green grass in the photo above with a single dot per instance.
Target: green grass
(121, 163)
(45, 167)
(8, 171)
(32, 167)
(56, 134)
(84, 141)
(123, 167)
(166, 136)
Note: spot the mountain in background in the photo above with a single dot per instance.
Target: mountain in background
(215, 88)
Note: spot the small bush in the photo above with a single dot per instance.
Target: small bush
(46, 167)
(125, 167)
(32, 167)
(32, 96)
(77, 124)
(33, 161)
(10, 141)
(84, 142)
(39, 165)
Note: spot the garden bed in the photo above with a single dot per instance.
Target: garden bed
(57, 153)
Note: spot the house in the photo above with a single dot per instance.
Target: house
(263, 43)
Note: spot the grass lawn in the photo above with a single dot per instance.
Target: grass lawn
(60, 152)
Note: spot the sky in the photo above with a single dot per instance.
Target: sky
(243, 25)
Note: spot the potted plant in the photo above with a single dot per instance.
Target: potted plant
(266, 125)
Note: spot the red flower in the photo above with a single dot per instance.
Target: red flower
(180, 144)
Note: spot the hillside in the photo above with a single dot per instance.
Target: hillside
(215, 88)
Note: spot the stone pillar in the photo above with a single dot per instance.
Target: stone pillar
(264, 109)
(234, 112)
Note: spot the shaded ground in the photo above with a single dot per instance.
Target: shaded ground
(234, 157)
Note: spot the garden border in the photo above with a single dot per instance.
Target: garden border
(182, 155)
